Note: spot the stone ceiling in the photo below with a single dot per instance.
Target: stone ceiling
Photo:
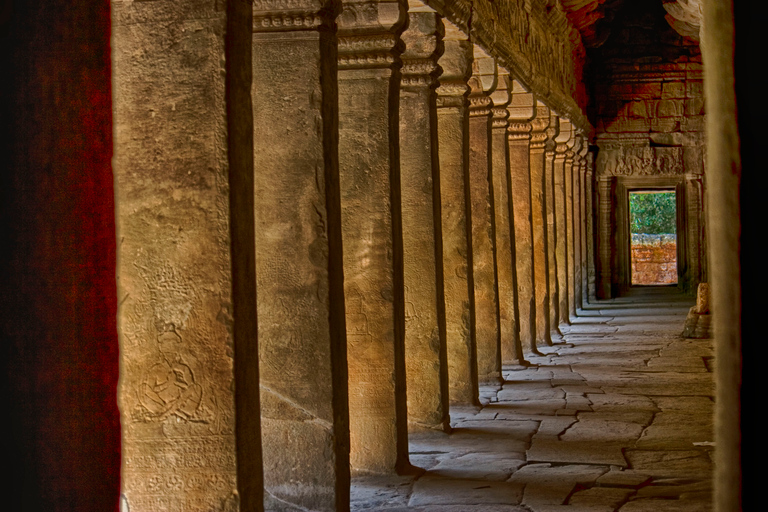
(594, 18)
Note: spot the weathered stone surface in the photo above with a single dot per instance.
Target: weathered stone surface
(654, 259)
(506, 249)
(553, 287)
(486, 290)
(538, 224)
(175, 261)
(561, 203)
(453, 135)
(522, 110)
(302, 346)
(368, 56)
(425, 347)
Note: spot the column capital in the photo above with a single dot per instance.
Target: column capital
(564, 138)
(500, 98)
(369, 33)
(294, 15)
(552, 130)
(423, 47)
(519, 131)
(482, 83)
(539, 126)
(456, 62)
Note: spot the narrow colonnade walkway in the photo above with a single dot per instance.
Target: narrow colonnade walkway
(616, 417)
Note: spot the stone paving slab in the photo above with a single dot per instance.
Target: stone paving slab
(605, 421)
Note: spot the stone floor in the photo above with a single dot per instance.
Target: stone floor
(617, 417)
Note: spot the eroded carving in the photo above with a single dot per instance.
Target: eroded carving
(640, 161)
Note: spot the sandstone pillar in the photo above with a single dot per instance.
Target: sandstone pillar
(487, 328)
(539, 138)
(604, 221)
(453, 133)
(570, 249)
(302, 346)
(369, 91)
(506, 250)
(183, 170)
(729, 191)
(590, 216)
(522, 109)
(425, 350)
(549, 209)
(563, 141)
(577, 228)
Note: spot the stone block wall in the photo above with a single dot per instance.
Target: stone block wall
(654, 259)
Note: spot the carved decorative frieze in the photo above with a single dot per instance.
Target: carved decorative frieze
(369, 33)
(293, 15)
(519, 131)
(452, 93)
(423, 41)
(640, 161)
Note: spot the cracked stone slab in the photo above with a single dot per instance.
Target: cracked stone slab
(480, 466)
(432, 489)
(619, 477)
(673, 463)
(655, 505)
(600, 499)
(375, 492)
(549, 449)
(547, 484)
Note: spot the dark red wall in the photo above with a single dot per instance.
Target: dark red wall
(57, 258)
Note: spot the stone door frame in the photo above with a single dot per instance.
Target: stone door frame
(621, 277)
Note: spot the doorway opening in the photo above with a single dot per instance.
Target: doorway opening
(653, 231)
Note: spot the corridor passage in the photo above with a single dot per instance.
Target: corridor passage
(616, 417)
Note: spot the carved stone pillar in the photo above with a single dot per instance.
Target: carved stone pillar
(302, 346)
(583, 213)
(183, 171)
(453, 133)
(570, 250)
(369, 169)
(549, 209)
(539, 138)
(604, 221)
(563, 141)
(522, 109)
(511, 348)
(425, 350)
(482, 83)
(577, 220)
(591, 215)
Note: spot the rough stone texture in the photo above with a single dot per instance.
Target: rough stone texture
(654, 259)
(506, 250)
(175, 263)
(553, 288)
(481, 185)
(564, 142)
(425, 349)
(302, 345)
(453, 133)
(371, 232)
(539, 138)
(604, 422)
(522, 109)
(698, 323)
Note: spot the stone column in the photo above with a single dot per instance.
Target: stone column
(302, 345)
(482, 83)
(570, 200)
(539, 138)
(603, 263)
(369, 169)
(549, 208)
(591, 215)
(506, 250)
(183, 170)
(453, 133)
(577, 220)
(522, 109)
(426, 358)
(583, 211)
(560, 207)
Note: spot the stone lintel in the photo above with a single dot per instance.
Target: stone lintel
(294, 16)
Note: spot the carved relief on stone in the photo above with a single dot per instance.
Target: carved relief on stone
(423, 41)
(292, 15)
(640, 161)
(368, 33)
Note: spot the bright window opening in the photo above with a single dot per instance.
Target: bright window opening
(653, 228)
